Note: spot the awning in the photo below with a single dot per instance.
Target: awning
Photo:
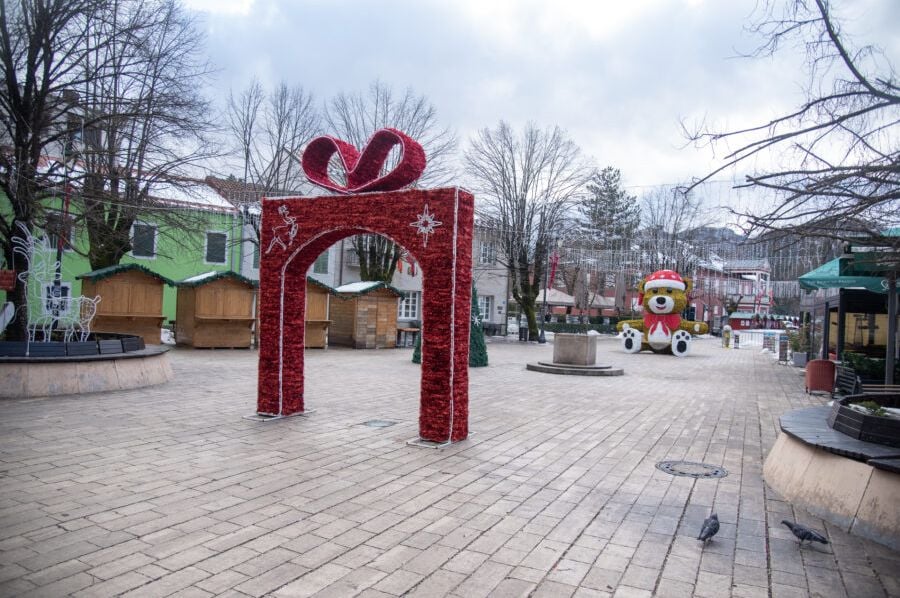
(831, 275)
(555, 297)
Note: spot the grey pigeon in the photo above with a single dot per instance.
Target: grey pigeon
(803, 533)
(710, 528)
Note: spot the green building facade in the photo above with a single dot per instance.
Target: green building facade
(180, 240)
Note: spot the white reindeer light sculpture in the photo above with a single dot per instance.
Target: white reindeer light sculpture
(70, 315)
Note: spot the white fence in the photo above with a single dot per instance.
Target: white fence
(756, 338)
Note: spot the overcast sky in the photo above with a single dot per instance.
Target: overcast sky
(619, 76)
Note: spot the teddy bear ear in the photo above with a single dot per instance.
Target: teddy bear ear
(640, 287)
(688, 285)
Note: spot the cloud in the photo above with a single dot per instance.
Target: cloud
(618, 76)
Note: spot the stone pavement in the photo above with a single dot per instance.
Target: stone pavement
(172, 491)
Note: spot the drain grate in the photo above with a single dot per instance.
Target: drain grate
(691, 469)
(378, 423)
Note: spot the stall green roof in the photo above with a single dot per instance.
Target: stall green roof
(828, 276)
(207, 277)
(118, 269)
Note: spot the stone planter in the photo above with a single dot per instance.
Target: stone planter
(864, 426)
(575, 349)
(799, 358)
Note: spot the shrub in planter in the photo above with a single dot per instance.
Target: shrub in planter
(869, 369)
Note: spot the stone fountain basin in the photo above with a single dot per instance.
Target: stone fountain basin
(106, 362)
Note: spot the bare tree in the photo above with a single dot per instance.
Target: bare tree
(671, 216)
(836, 170)
(42, 44)
(269, 131)
(243, 115)
(143, 125)
(528, 182)
(581, 275)
(355, 117)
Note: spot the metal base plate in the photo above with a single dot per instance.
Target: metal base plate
(258, 417)
(422, 443)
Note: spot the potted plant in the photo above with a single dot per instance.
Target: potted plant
(799, 342)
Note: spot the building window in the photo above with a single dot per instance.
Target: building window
(256, 256)
(143, 240)
(486, 306)
(408, 308)
(58, 306)
(321, 264)
(215, 247)
(488, 254)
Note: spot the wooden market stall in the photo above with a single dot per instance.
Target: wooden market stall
(318, 304)
(365, 315)
(131, 300)
(215, 310)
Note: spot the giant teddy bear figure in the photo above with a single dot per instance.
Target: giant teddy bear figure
(664, 295)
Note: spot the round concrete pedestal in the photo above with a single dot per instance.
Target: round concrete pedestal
(23, 377)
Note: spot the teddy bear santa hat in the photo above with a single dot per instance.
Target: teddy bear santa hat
(663, 278)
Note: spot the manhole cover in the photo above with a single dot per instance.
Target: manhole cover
(691, 469)
(378, 423)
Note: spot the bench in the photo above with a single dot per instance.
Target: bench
(406, 336)
(846, 382)
(880, 389)
(491, 329)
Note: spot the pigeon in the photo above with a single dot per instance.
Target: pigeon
(804, 533)
(710, 528)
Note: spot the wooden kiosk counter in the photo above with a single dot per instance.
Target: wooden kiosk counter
(215, 310)
(131, 300)
(318, 313)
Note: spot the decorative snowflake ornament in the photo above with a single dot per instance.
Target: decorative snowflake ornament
(425, 224)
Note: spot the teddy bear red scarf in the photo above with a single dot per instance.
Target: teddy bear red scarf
(669, 321)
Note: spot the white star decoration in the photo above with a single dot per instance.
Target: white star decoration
(425, 224)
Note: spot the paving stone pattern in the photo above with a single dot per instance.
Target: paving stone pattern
(172, 491)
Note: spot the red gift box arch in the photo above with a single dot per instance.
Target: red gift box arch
(436, 226)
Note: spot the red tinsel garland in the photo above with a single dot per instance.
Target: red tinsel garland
(296, 230)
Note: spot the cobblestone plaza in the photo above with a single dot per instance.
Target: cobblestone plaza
(176, 490)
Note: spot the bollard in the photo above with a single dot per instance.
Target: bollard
(737, 340)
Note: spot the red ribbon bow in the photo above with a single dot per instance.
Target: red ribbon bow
(363, 168)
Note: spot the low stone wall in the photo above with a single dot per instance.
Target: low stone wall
(853, 495)
(67, 376)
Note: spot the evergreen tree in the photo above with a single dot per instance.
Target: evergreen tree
(477, 350)
(608, 213)
(417, 351)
